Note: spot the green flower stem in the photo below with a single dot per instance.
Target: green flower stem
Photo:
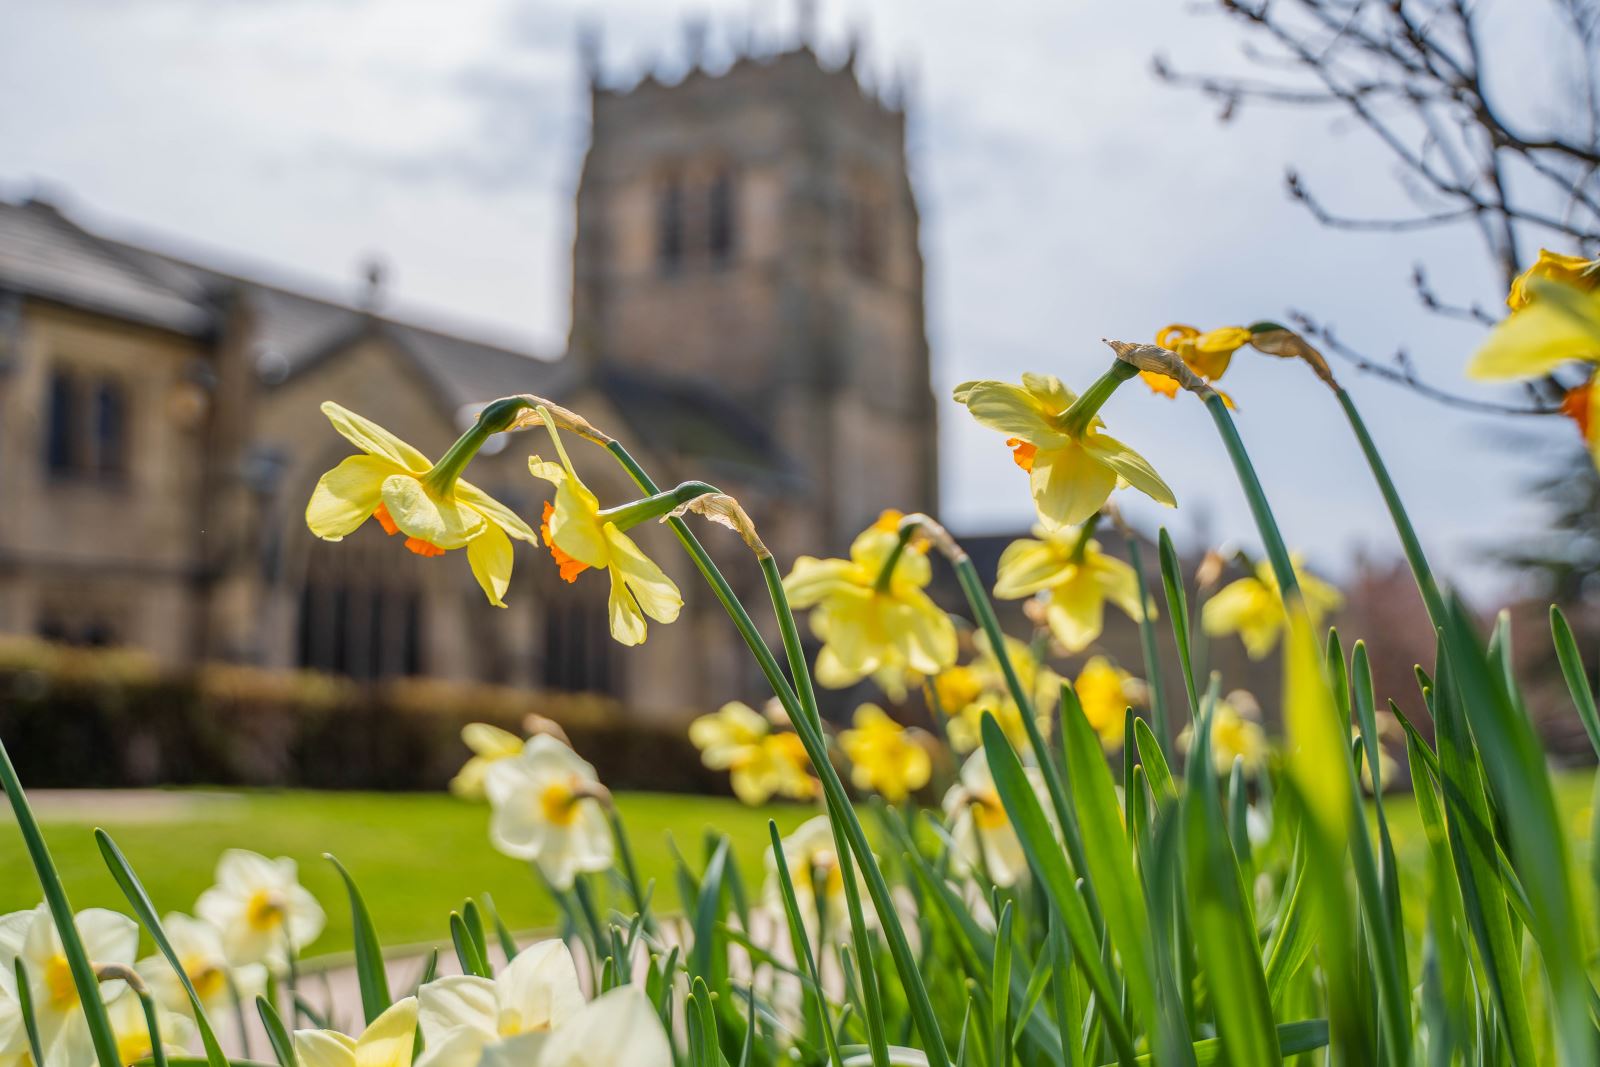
(55, 895)
(1080, 547)
(152, 1023)
(1402, 522)
(491, 420)
(1076, 418)
(30, 1024)
(1271, 538)
(1394, 1023)
(626, 516)
(886, 572)
(810, 734)
(1147, 645)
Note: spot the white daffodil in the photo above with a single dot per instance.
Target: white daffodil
(261, 908)
(463, 1014)
(200, 950)
(387, 1042)
(818, 879)
(14, 1051)
(617, 1029)
(982, 831)
(129, 1028)
(547, 809)
(31, 936)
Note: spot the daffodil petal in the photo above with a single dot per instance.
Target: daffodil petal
(388, 1041)
(627, 621)
(374, 439)
(574, 527)
(1012, 410)
(324, 1048)
(1075, 613)
(657, 594)
(490, 557)
(1130, 466)
(495, 512)
(458, 1001)
(1541, 337)
(347, 496)
(437, 520)
(1027, 566)
(812, 579)
(1070, 484)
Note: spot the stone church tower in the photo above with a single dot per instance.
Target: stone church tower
(755, 231)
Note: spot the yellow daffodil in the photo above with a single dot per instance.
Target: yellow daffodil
(1071, 470)
(980, 829)
(388, 1041)
(429, 503)
(261, 908)
(463, 1015)
(761, 763)
(200, 950)
(547, 809)
(1235, 735)
(1576, 271)
(1105, 693)
(1076, 579)
(489, 744)
(885, 757)
(581, 536)
(1554, 320)
(1253, 608)
(872, 615)
(31, 936)
(1207, 354)
(990, 693)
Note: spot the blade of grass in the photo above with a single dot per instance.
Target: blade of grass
(277, 1034)
(1576, 677)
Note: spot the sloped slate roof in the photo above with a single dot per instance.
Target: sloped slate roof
(45, 254)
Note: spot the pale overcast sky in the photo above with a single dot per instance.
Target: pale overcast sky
(1066, 195)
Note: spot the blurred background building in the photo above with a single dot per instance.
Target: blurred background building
(747, 287)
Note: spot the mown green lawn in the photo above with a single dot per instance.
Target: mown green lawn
(415, 856)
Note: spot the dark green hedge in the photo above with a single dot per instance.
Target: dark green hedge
(74, 718)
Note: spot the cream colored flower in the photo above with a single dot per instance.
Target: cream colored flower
(261, 908)
(463, 1015)
(1074, 577)
(817, 876)
(547, 809)
(1253, 608)
(882, 629)
(387, 1042)
(979, 826)
(1235, 735)
(129, 1029)
(31, 936)
(200, 950)
(489, 744)
(616, 1029)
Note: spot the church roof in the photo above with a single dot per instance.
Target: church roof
(47, 255)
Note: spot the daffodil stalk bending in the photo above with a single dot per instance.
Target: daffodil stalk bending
(429, 503)
(1058, 438)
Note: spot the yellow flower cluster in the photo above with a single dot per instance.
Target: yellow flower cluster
(1252, 607)
(966, 692)
(871, 612)
(1075, 579)
(761, 762)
